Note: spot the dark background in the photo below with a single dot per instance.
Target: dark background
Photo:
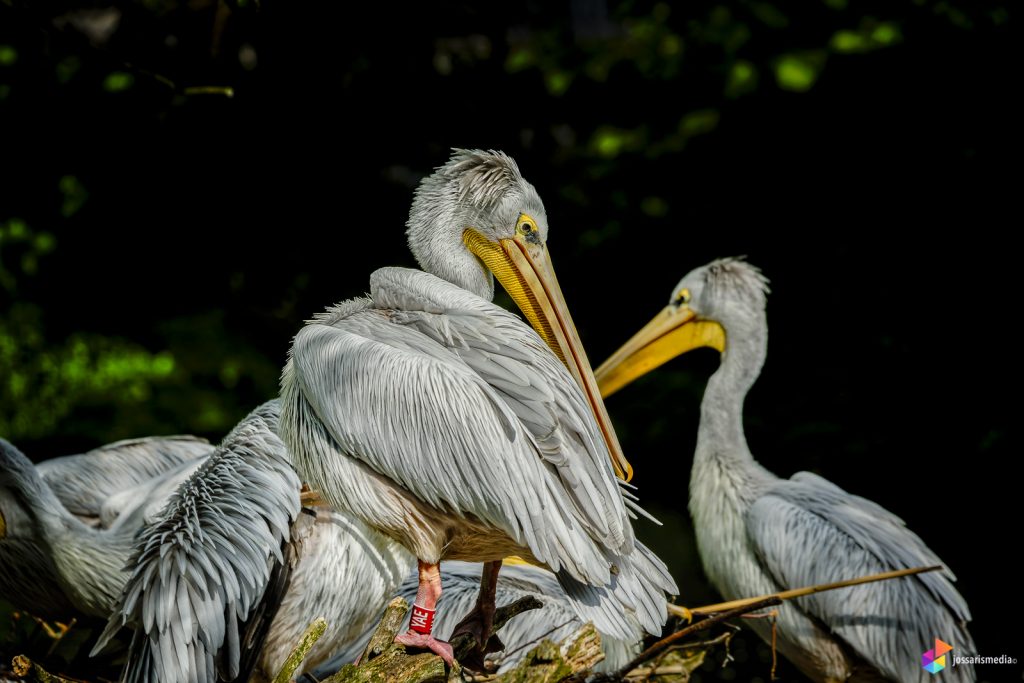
(160, 241)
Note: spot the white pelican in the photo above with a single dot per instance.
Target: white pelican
(446, 423)
(82, 484)
(760, 534)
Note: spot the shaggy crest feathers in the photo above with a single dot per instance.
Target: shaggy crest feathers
(483, 177)
(735, 278)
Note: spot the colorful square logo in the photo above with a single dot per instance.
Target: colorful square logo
(934, 661)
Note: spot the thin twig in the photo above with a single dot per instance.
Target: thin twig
(664, 643)
(508, 653)
(799, 592)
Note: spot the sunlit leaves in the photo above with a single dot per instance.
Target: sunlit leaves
(655, 207)
(557, 82)
(42, 383)
(698, 122)
(769, 15)
(609, 142)
(872, 36)
(8, 55)
(117, 81)
(521, 57)
(742, 79)
(20, 250)
(67, 68)
(798, 72)
(74, 195)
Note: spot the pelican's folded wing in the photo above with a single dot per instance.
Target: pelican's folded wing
(83, 482)
(808, 531)
(207, 579)
(391, 390)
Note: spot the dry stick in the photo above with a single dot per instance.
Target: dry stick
(800, 592)
(298, 654)
(664, 643)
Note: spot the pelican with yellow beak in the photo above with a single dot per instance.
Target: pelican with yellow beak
(759, 534)
(449, 425)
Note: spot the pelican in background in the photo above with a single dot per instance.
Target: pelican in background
(760, 534)
(447, 424)
(82, 484)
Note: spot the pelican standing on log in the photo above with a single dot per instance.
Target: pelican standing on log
(446, 423)
(760, 534)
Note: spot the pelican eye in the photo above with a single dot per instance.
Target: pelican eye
(682, 298)
(525, 225)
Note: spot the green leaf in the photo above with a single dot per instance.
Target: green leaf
(849, 41)
(557, 82)
(8, 55)
(74, 193)
(118, 81)
(742, 79)
(797, 72)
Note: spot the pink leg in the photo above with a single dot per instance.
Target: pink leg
(418, 635)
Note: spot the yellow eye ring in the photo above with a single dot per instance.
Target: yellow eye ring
(683, 297)
(525, 225)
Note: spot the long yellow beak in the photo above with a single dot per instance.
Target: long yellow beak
(672, 332)
(524, 269)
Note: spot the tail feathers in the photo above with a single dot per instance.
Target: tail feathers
(635, 595)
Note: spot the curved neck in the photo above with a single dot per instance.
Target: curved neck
(720, 434)
(434, 233)
(90, 562)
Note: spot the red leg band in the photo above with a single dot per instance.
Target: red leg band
(422, 620)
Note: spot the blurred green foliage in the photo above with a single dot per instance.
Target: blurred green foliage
(45, 380)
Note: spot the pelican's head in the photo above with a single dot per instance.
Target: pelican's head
(467, 208)
(724, 297)
(475, 219)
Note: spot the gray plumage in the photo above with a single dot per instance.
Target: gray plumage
(28, 578)
(555, 621)
(84, 482)
(346, 575)
(228, 579)
(144, 505)
(86, 564)
(759, 534)
(444, 422)
(203, 577)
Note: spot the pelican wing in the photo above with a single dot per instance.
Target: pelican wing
(461, 404)
(832, 535)
(83, 482)
(207, 579)
(144, 504)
